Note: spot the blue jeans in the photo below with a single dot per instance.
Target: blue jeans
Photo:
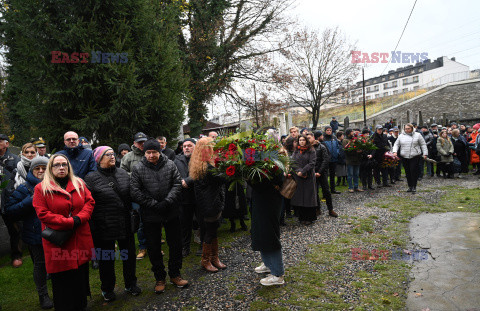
(352, 176)
(274, 261)
(142, 241)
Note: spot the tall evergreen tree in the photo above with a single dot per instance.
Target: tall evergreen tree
(110, 101)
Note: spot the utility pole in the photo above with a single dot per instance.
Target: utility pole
(364, 107)
(255, 105)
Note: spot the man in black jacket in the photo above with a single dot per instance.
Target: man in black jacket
(165, 150)
(156, 186)
(321, 173)
(8, 168)
(188, 194)
(397, 170)
(380, 140)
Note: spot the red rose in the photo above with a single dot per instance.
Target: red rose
(217, 160)
(230, 170)
(250, 162)
(232, 147)
(275, 168)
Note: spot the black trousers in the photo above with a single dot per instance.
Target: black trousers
(366, 175)
(186, 219)
(211, 229)
(106, 264)
(383, 171)
(70, 289)
(398, 170)
(446, 168)
(14, 229)
(39, 271)
(331, 172)
(173, 232)
(411, 170)
(306, 213)
(322, 182)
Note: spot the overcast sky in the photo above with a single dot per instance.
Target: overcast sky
(437, 27)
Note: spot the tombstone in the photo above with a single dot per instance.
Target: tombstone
(374, 124)
(420, 119)
(444, 119)
(408, 116)
(283, 124)
(346, 123)
(394, 122)
(289, 121)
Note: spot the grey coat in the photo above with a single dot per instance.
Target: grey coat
(446, 150)
(305, 195)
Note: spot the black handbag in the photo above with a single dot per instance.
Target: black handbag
(57, 237)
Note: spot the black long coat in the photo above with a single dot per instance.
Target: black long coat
(210, 195)
(306, 193)
(266, 211)
(235, 208)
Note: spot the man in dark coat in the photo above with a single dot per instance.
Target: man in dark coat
(156, 186)
(188, 194)
(380, 140)
(165, 150)
(333, 146)
(81, 159)
(428, 140)
(397, 169)
(389, 124)
(8, 168)
(321, 174)
(335, 125)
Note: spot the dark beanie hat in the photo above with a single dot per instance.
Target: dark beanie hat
(328, 127)
(122, 147)
(151, 144)
(317, 134)
(190, 140)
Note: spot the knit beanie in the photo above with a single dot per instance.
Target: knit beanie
(99, 152)
(38, 161)
(190, 140)
(151, 144)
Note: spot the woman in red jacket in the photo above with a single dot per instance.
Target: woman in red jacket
(63, 202)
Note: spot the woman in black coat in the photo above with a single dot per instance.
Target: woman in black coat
(235, 206)
(111, 222)
(210, 196)
(305, 198)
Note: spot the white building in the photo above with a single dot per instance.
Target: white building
(410, 78)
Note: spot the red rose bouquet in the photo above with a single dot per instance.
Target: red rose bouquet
(360, 143)
(390, 160)
(249, 157)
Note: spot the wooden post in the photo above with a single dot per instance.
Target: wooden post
(420, 119)
(346, 123)
(408, 116)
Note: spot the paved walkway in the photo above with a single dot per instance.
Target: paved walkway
(450, 278)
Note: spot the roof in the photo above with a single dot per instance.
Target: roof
(208, 126)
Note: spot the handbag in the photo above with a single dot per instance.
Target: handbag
(288, 189)
(57, 237)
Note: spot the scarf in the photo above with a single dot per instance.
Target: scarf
(302, 149)
(22, 169)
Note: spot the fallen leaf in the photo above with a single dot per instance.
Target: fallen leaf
(460, 207)
(418, 294)
(396, 294)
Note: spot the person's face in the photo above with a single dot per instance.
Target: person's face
(443, 134)
(188, 148)
(424, 130)
(84, 143)
(328, 131)
(39, 171)
(29, 153)
(42, 151)
(454, 126)
(408, 129)
(283, 140)
(213, 135)
(434, 128)
(108, 159)
(341, 137)
(152, 156)
(380, 131)
(302, 141)
(71, 140)
(469, 130)
(124, 152)
(462, 127)
(139, 144)
(311, 138)
(162, 143)
(395, 133)
(3, 146)
(294, 133)
(455, 134)
(60, 167)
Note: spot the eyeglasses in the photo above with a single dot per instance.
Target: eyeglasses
(71, 139)
(58, 165)
(111, 154)
(38, 168)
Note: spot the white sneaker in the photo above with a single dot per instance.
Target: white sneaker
(262, 269)
(272, 280)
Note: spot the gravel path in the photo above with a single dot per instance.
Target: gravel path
(236, 287)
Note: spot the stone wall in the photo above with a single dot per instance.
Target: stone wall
(458, 101)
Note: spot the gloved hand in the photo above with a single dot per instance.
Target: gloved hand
(76, 222)
(162, 207)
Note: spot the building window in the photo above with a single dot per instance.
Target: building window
(383, 79)
(412, 71)
(420, 70)
(415, 79)
(392, 77)
(405, 90)
(367, 98)
(405, 81)
(367, 83)
(394, 84)
(415, 88)
(395, 92)
(385, 94)
(385, 86)
(402, 74)
(376, 87)
(377, 95)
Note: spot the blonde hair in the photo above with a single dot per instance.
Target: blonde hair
(49, 184)
(443, 140)
(28, 145)
(202, 156)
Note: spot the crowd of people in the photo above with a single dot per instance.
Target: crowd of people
(100, 199)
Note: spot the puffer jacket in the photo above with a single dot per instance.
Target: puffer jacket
(131, 159)
(19, 207)
(152, 184)
(188, 194)
(81, 159)
(445, 150)
(111, 216)
(210, 194)
(411, 145)
(333, 147)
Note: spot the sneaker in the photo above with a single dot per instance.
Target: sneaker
(350, 190)
(109, 296)
(141, 254)
(262, 269)
(159, 287)
(358, 190)
(272, 280)
(17, 262)
(179, 282)
(134, 290)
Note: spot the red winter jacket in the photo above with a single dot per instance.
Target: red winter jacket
(53, 211)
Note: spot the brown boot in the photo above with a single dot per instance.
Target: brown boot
(214, 255)
(159, 287)
(206, 264)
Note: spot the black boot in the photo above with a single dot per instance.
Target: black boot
(243, 225)
(45, 302)
(233, 226)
